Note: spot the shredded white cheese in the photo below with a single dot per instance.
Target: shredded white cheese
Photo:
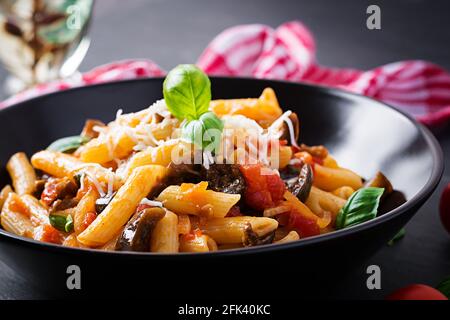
(152, 203)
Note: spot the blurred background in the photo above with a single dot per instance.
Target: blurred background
(176, 31)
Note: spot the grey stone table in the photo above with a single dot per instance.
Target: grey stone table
(172, 32)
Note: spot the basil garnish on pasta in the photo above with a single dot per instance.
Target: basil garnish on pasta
(62, 222)
(68, 144)
(360, 207)
(187, 93)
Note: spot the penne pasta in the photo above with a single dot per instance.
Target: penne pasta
(320, 201)
(63, 165)
(330, 179)
(14, 221)
(4, 195)
(160, 155)
(195, 199)
(285, 156)
(37, 213)
(184, 224)
(123, 205)
(96, 151)
(71, 241)
(264, 109)
(85, 207)
(22, 174)
(291, 236)
(231, 230)
(165, 234)
(56, 164)
(344, 192)
(197, 243)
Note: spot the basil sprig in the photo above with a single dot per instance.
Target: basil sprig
(68, 144)
(360, 207)
(400, 234)
(62, 222)
(187, 93)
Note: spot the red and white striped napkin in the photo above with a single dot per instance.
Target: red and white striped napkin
(288, 52)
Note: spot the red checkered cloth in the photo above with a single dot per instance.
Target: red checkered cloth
(288, 52)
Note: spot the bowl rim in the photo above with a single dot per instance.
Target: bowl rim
(417, 199)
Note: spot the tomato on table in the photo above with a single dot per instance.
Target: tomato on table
(417, 292)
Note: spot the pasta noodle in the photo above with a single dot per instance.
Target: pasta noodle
(22, 173)
(122, 207)
(13, 221)
(231, 230)
(196, 200)
(165, 235)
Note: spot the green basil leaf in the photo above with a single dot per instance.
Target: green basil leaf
(58, 221)
(360, 207)
(68, 144)
(400, 234)
(204, 132)
(187, 92)
(444, 287)
(68, 227)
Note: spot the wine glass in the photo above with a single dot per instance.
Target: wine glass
(42, 40)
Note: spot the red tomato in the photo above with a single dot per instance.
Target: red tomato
(50, 234)
(304, 227)
(88, 219)
(445, 208)
(417, 292)
(263, 190)
(50, 192)
(276, 187)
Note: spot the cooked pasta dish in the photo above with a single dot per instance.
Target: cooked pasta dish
(187, 174)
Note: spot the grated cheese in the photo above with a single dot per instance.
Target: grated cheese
(152, 203)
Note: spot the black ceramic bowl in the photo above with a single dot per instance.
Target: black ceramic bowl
(362, 134)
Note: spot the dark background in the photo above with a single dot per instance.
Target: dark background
(172, 32)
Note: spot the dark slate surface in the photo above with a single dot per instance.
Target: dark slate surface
(172, 32)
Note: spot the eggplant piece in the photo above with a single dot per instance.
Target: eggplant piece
(225, 178)
(63, 204)
(137, 232)
(58, 188)
(286, 133)
(299, 182)
(176, 175)
(102, 203)
(251, 238)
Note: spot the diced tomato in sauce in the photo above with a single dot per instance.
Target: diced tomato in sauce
(50, 234)
(50, 192)
(305, 227)
(263, 190)
(294, 221)
(192, 235)
(88, 219)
